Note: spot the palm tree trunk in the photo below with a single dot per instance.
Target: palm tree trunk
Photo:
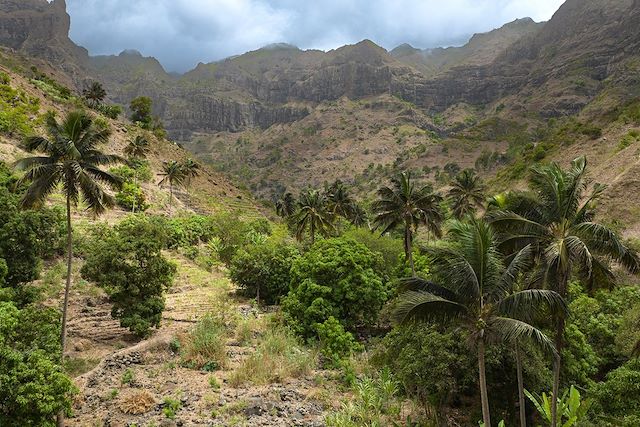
(408, 252)
(559, 342)
(63, 328)
(313, 233)
(170, 195)
(135, 185)
(484, 397)
(521, 402)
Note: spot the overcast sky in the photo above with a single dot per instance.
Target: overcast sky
(181, 33)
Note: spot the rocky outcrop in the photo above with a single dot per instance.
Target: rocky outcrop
(38, 28)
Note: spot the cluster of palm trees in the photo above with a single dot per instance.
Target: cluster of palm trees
(177, 173)
(498, 274)
(316, 211)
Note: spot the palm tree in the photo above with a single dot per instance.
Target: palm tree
(557, 221)
(477, 293)
(312, 214)
(94, 94)
(137, 149)
(286, 205)
(404, 205)
(341, 203)
(466, 193)
(69, 159)
(173, 174)
(191, 170)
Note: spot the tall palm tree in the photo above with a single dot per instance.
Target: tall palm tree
(475, 291)
(191, 170)
(312, 214)
(137, 149)
(173, 174)
(69, 159)
(94, 94)
(286, 205)
(404, 205)
(557, 221)
(466, 193)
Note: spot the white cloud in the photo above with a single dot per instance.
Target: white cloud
(181, 33)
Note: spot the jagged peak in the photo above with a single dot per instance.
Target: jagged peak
(403, 50)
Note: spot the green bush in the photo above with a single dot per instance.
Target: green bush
(263, 270)
(34, 388)
(129, 265)
(17, 110)
(130, 196)
(110, 111)
(389, 248)
(335, 278)
(335, 342)
(26, 237)
(617, 396)
(140, 171)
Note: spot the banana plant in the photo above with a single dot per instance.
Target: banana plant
(571, 407)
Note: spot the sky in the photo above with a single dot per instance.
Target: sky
(181, 33)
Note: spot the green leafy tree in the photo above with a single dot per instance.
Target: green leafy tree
(94, 94)
(69, 159)
(557, 221)
(405, 205)
(141, 111)
(466, 194)
(263, 270)
(34, 388)
(173, 174)
(336, 277)
(476, 293)
(313, 214)
(128, 263)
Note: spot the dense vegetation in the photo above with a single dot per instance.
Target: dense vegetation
(469, 307)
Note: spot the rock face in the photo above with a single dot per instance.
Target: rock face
(553, 69)
(38, 28)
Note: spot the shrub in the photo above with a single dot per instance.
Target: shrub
(335, 342)
(110, 111)
(17, 110)
(140, 171)
(130, 196)
(335, 278)
(263, 271)
(129, 265)
(389, 248)
(34, 388)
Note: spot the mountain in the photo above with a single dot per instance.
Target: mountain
(283, 117)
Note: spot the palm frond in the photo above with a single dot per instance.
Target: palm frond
(417, 305)
(419, 284)
(529, 303)
(514, 331)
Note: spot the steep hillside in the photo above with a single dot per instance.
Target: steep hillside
(28, 93)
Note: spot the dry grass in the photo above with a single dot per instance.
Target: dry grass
(136, 402)
(278, 356)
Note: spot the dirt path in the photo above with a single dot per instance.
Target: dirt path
(135, 382)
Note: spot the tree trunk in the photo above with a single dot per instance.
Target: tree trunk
(63, 329)
(313, 233)
(484, 397)
(170, 195)
(408, 252)
(135, 184)
(521, 401)
(559, 342)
